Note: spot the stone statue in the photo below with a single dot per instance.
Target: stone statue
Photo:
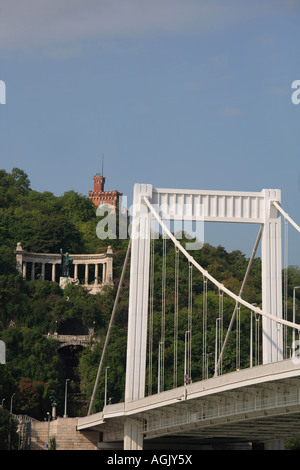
(66, 263)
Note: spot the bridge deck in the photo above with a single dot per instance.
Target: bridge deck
(259, 403)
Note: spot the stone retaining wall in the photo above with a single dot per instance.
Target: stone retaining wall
(66, 435)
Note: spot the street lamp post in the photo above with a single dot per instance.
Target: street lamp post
(216, 347)
(11, 402)
(187, 372)
(251, 340)
(10, 418)
(159, 370)
(251, 337)
(105, 386)
(48, 433)
(294, 316)
(257, 320)
(66, 393)
(207, 357)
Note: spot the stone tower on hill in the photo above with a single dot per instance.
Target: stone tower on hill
(101, 197)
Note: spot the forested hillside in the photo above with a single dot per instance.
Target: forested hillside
(29, 310)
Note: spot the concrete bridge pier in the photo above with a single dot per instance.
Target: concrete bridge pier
(133, 438)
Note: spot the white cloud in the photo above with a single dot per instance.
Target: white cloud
(27, 23)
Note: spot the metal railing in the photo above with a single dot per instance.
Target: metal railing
(216, 411)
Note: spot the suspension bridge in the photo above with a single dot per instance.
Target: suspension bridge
(260, 402)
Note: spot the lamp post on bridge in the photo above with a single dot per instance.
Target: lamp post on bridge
(257, 320)
(251, 337)
(105, 386)
(216, 346)
(187, 358)
(159, 372)
(66, 393)
(10, 419)
(206, 365)
(294, 317)
(48, 432)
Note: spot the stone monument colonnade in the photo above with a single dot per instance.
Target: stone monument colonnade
(36, 262)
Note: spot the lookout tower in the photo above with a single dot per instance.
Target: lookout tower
(101, 197)
(99, 181)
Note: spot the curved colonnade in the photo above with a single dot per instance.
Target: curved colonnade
(94, 271)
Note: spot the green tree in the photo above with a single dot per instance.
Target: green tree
(20, 180)
(31, 356)
(8, 427)
(77, 207)
(14, 302)
(7, 261)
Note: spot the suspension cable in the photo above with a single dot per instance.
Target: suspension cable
(220, 328)
(285, 285)
(176, 316)
(212, 279)
(257, 320)
(163, 314)
(204, 327)
(190, 318)
(286, 216)
(238, 338)
(240, 294)
(100, 367)
(151, 299)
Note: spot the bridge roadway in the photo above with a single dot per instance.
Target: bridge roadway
(259, 404)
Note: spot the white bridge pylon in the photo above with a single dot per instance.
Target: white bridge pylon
(216, 206)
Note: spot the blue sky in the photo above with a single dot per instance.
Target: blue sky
(177, 93)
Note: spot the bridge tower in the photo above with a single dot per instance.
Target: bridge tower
(218, 206)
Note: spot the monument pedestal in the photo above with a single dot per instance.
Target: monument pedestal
(64, 281)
